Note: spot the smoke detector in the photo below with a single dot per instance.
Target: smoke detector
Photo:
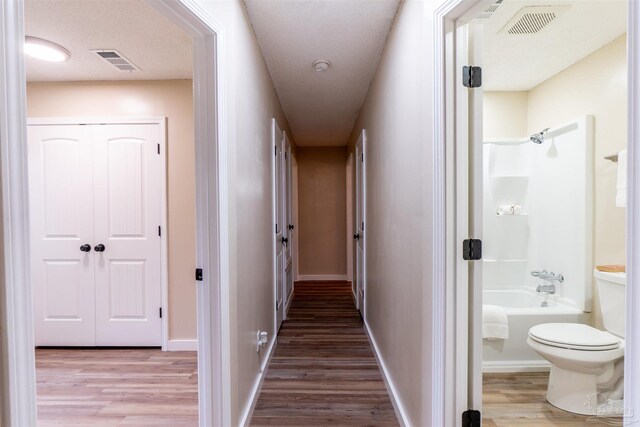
(321, 65)
(533, 19)
(114, 58)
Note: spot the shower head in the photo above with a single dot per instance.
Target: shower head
(538, 138)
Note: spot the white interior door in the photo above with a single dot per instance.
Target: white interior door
(95, 211)
(289, 227)
(360, 235)
(278, 186)
(127, 197)
(61, 217)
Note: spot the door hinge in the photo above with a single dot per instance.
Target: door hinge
(471, 418)
(158, 148)
(277, 306)
(160, 312)
(471, 76)
(275, 150)
(472, 249)
(362, 157)
(198, 275)
(159, 230)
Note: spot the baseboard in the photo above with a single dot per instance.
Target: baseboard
(255, 391)
(393, 394)
(507, 366)
(182, 345)
(322, 277)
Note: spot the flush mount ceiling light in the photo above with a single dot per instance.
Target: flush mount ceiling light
(321, 65)
(45, 50)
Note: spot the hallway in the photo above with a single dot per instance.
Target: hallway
(323, 370)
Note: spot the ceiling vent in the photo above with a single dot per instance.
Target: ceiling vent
(488, 12)
(114, 58)
(533, 19)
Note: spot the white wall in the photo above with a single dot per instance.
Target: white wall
(398, 209)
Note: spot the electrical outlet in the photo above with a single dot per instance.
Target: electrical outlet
(261, 340)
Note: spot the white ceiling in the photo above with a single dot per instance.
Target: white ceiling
(155, 45)
(322, 107)
(521, 62)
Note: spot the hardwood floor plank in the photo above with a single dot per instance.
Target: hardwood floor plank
(519, 400)
(103, 387)
(323, 371)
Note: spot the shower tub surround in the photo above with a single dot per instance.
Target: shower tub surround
(537, 215)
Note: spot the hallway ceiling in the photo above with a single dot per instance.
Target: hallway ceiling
(133, 28)
(321, 107)
(521, 62)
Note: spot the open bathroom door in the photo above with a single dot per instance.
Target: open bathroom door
(469, 163)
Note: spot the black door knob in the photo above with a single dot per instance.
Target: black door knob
(291, 227)
(85, 248)
(285, 240)
(356, 236)
(99, 248)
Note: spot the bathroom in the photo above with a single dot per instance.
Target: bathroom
(554, 203)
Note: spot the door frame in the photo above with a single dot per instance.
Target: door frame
(277, 184)
(161, 121)
(362, 176)
(17, 355)
(450, 387)
(350, 242)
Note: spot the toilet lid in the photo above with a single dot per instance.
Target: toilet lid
(574, 336)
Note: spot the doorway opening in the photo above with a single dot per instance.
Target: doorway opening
(103, 118)
(540, 179)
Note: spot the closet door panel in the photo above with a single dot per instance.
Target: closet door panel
(61, 222)
(127, 195)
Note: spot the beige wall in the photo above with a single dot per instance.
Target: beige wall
(172, 99)
(397, 121)
(597, 85)
(505, 114)
(251, 103)
(322, 210)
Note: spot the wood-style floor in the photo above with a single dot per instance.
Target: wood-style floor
(519, 400)
(323, 371)
(132, 387)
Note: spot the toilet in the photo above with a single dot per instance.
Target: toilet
(587, 363)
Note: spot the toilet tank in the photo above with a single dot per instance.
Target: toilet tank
(612, 294)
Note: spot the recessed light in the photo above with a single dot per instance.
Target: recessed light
(45, 50)
(321, 65)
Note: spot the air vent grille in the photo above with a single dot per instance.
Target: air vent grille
(533, 19)
(488, 12)
(114, 58)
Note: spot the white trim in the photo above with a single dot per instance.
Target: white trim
(245, 419)
(510, 366)
(322, 278)
(182, 345)
(398, 407)
(17, 357)
(161, 121)
(632, 343)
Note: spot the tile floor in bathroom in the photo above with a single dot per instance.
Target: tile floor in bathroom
(518, 400)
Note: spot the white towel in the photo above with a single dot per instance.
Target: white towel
(621, 187)
(495, 323)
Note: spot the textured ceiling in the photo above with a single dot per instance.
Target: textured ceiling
(159, 48)
(321, 107)
(521, 62)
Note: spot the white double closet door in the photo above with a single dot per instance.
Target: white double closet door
(95, 211)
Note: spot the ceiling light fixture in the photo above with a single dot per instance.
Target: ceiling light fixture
(321, 65)
(45, 50)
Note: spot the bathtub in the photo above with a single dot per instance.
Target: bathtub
(525, 308)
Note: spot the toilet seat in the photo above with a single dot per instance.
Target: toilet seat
(574, 336)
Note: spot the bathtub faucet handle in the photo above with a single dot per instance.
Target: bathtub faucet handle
(535, 273)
